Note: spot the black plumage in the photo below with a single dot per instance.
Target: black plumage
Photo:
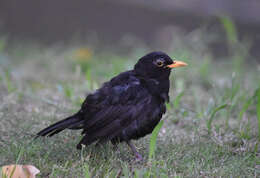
(129, 106)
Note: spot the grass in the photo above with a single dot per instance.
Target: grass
(154, 136)
(257, 94)
(211, 128)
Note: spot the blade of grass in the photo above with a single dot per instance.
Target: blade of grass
(168, 106)
(21, 151)
(9, 83)
(176, 102)
(137, 173)
(68, 91)
(2, 174)
(86, 171)
(153, 139)
(245, 107)
(258, 110)
(212, 115)
(88, 77)
(230, 29)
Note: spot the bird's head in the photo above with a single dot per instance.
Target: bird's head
(156, 65)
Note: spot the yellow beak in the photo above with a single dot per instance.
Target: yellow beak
(177, 64)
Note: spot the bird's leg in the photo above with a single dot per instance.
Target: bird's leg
(115, 145)
(138, 156)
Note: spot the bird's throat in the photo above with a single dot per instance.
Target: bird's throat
(159, 88)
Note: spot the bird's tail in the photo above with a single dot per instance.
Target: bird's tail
(72, 122)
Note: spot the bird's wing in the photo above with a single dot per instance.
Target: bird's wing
(123, 102)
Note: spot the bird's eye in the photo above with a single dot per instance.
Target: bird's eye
(159, 63)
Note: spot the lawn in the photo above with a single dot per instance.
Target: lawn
(211, 128)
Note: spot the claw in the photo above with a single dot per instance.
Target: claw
(138, 157)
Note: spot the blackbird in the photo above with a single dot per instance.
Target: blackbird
(127, 107)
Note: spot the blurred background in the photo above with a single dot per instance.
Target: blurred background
(126, 25)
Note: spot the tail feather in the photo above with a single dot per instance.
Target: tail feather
(72, 122)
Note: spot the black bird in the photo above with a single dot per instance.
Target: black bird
(127, 107)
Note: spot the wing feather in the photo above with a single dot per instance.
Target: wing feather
(126, 102)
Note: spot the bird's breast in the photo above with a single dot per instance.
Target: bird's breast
(146, 122)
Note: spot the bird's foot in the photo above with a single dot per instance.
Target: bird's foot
(138, 157)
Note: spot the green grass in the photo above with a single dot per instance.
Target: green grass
(154, 136)
(211, 129)
(257, 95)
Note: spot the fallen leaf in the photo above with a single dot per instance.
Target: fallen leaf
(19, 171)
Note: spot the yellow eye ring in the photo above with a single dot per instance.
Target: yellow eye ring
(159, 63)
